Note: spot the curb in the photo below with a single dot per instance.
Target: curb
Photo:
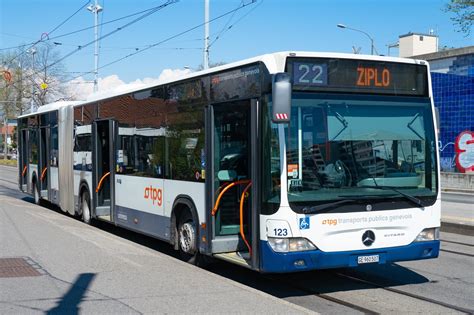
(457, 190)
(457, 228)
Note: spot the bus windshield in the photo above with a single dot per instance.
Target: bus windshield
(364, 149)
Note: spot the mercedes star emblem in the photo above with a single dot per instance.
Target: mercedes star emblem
(368, 238)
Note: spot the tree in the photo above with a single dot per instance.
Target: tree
(11, 94)
(49, 71)
(14, 93)
(464, 14)
(29, 69)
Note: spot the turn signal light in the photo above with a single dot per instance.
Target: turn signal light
(430, 234)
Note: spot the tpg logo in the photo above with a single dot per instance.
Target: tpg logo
(330, 222)
(155, 194)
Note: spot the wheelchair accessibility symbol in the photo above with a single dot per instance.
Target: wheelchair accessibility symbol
(304, 223)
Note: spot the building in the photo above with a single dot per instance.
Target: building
(452, 74)
(413, 44)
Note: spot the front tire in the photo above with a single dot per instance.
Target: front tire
(187, 238)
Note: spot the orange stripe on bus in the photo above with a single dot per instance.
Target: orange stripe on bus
(216, 206)
(101, 181)
(242, 199)
(24, 171)
(43, 173)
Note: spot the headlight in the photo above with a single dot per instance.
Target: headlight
(429, 234)
(284, 245)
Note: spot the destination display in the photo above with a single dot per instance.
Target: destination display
(358, 76)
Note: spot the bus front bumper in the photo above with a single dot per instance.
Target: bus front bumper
(273, 262)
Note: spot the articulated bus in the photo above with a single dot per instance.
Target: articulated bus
(285, 162)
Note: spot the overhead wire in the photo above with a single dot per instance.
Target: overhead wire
(106, 48)
(100, 33)
(70, 17)
(227, 28)
(17, 46)
(168, 39)
(108, 22)
(82, 29)
(162, 6)
(48, 33)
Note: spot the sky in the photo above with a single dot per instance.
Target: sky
(262, 27)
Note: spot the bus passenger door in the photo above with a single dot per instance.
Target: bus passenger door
(53, 170)
(23, 154)
(231, 157)
(103, 153)
(43, 162)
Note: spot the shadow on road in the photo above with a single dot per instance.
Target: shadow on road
(69, 303)
(320, 281)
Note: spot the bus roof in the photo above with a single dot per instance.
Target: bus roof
(53, 106)
(275, 62)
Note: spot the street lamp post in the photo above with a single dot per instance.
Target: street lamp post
(95, 9)
(5, 146)
(372, 46)
(32, 51)
(389, 46)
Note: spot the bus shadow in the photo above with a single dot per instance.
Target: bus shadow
(130, 235)
(321, 281)
(144, 240)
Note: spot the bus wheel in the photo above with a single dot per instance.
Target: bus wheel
(85, 207)
(36, 194)
(187, 238)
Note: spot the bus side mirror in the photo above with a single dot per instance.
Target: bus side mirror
(281, 98)
(438, 123)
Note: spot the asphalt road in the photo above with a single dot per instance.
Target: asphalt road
(110, 270)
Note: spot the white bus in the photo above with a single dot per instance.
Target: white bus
(285, 162)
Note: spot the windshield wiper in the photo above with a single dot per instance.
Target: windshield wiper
(319, 208)
(343, 121)
(413, 129)
(413, 199)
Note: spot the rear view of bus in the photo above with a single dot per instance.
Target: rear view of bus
(350, 165)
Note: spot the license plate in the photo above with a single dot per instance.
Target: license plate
(368, 259)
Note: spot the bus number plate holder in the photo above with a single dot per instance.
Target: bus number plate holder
(368, 259)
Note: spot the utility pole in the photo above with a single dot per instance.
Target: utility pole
(32, 51)
(95, 9)
(5, 147)
(20, 91)
(206, 34)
